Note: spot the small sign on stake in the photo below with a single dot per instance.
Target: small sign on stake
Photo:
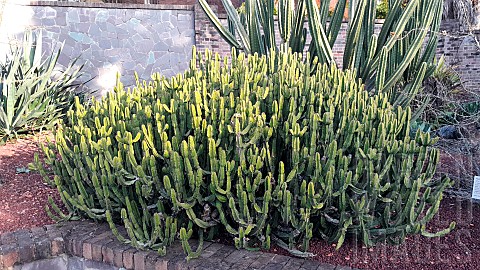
(476, 188)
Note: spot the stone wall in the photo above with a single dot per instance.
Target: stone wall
(111, 38)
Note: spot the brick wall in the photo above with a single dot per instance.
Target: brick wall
(87, 245)
(206, 36)
(462, 51)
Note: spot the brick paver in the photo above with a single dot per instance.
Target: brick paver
(128, 258)
(95, 242)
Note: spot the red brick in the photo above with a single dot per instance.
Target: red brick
(73, 242)
(97, 249)
(107, 253)
(87, 244)
(92, 247)
(139, 260)
(42, 249)
(127, 255)
(58, 246)
(87, 250)
(8, 256)
(161, 265)
(174, 254)
(26, 253)
(150, 260)
(118, 254)
(77, 244)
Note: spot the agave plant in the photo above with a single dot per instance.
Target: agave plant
(394, 61)
(33, 93)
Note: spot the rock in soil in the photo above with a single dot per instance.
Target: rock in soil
(449, 132)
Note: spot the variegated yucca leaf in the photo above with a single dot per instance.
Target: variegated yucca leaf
(409, 34)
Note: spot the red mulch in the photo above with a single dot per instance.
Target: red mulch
(458, 250)
(24, 196)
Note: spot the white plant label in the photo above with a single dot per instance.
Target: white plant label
(476, 188)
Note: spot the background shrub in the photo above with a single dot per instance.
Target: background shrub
(445, 101)
(257, 148)
(382, 9)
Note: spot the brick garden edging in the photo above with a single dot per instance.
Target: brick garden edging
(92, 241)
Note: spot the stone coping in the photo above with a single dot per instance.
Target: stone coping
(93, 241)
(108, 5)
(132, 6)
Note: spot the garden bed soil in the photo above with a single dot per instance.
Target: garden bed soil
(460, 160)
(23, 197)
(458, 250)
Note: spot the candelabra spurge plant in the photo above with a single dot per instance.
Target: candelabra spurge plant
(258, 148)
